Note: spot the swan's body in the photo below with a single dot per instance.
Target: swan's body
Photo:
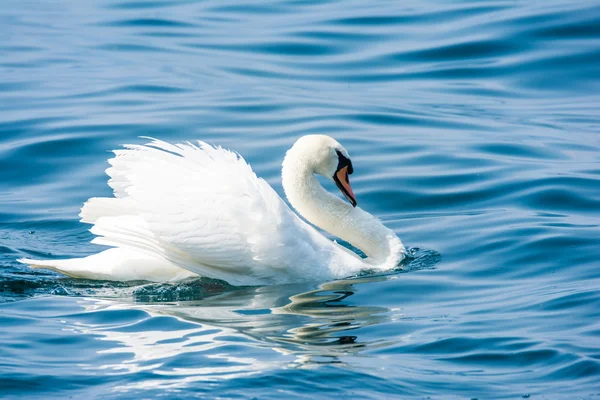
(181, 210)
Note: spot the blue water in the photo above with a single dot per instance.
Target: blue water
(474, 132)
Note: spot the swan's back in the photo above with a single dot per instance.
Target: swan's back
(202, 208)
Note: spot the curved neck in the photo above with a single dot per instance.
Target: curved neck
(337, 217)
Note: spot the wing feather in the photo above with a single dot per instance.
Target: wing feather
(200, 207)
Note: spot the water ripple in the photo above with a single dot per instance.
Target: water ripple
(473, 127)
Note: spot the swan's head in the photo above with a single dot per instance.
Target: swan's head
(323, 155)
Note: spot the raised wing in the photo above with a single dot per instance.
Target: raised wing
(203, 209)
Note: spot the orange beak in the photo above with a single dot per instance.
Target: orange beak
(343, 183)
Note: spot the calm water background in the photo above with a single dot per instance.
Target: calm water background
(474, 130)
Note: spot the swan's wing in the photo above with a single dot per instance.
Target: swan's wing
(202, 208)
(114, 265)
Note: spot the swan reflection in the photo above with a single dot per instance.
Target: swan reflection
(293, 319)
(305, 325)
(206, 330)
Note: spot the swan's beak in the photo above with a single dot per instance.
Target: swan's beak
(343, 183)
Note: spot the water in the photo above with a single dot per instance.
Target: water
(473, 128)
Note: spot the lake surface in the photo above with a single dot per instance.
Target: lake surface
(474, 132)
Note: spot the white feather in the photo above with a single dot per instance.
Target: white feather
(114, 265)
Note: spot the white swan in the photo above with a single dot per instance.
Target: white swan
(181, 210)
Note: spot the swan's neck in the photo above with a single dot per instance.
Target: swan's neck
(338, 217)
